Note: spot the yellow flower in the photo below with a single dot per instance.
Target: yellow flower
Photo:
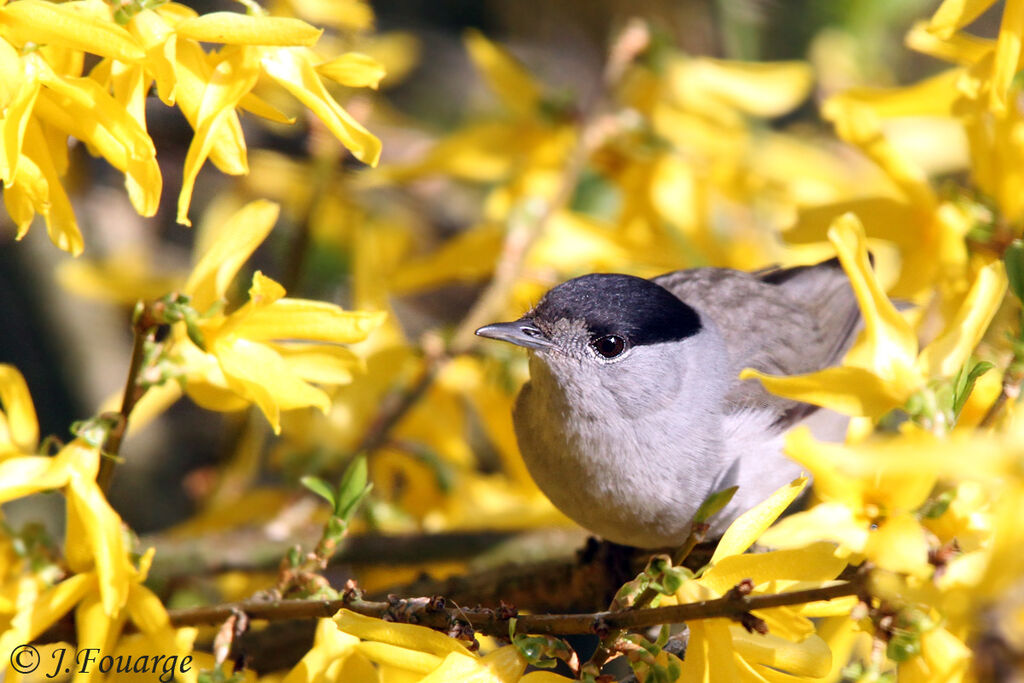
(886, 369)
(106, 589)
(270, 349)
(45, 98)
(721, 650)
(872, 516)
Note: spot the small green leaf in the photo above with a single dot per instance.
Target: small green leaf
(352, 489)
(965, 381)
(935, 507)
(1014, 259)
(319, 487)
(714, 504)
(903, 646)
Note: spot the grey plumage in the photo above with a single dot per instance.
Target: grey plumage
(780, 321)
(634, 412)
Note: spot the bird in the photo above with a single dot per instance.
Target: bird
(634, 412)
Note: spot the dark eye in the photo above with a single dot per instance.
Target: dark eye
(609, 345)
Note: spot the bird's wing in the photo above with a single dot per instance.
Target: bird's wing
(781, 321)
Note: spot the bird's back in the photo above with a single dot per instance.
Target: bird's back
(782, 321)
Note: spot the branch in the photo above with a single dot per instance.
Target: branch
(144, 325)
(434, 613)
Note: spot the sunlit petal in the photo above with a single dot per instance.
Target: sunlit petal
(72, 25)
(244, 29)
(353, 69)
(234, 244)
(294, 70)
(742, 533)
(944, 356)
(232, 78)
(19, 426)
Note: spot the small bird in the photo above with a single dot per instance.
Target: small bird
(634, 413)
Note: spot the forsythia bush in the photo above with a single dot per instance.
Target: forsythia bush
(674, 165)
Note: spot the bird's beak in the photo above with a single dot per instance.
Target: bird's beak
(522, 332)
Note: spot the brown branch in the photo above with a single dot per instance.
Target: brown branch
(399, 405)
(143, 327)
(429, 612)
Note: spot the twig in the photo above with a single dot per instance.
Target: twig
(380, 430)
(143, 327)
(428, 612)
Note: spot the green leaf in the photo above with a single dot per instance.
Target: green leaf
(935, 507)
(1014, 259)
(964, 383)
(319, 487)
(713, 504)
(353, 488)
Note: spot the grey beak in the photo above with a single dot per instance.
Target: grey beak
(521, 332)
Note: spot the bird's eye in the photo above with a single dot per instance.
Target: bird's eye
(609, 345)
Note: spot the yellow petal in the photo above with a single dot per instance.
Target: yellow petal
(810, 657)
(899, 544)
(232, 78)
(61, 225)
(157, 37)
(257, 372)
(959, 48)
(19, 426)
(94, 627)
(891, 340)
(293, 70)
(321, 363)
(389, 656)
(146, 610)
(192, 69)
(71, 25)
(245, 29)
(53, 604)
(12, 73)
(953, 15)
(22, 198)
(354, 70)
(402, 635)
(501, 666)
(543, 677)
(709, 653)
(944, 356)
(15, 120)
(1007, 56)
(99, 108)
(847, 390)
(504, 74)
(766, 89)
(297, 319)
(23, 476)
(815, 562)
(233, 245)
(749, 526)
(102, 527)
(329, 644)
(260, 107)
